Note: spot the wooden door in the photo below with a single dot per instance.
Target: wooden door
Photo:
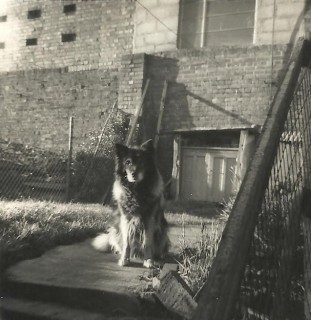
(207, 173)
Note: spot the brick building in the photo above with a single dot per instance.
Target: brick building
(223, 61)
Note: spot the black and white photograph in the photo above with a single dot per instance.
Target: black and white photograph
(155, 159)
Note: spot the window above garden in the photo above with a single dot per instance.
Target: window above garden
(205, 23)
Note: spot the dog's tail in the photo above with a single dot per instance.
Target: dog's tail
(102, 243)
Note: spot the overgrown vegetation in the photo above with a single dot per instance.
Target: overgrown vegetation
(93, 164)
(195, 259)
(29, 228)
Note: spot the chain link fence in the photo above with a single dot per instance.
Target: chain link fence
(273, 285)
(82, 174)
(29, 172)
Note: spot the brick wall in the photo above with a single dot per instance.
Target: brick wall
(214, 89)
(36, 105)
(131, 82)
(103, 32)
(224, 88)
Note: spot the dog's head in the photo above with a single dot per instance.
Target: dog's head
(133, 162)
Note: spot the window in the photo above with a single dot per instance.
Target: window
(205, 23)
(31, 42)
(34, 14)
(3, 18)
(70, 8)
(2, 45)
(68, 37)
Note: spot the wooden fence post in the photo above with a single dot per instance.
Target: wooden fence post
(68, 172)
(133, 122)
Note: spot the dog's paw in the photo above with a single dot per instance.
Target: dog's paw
(148, 263)
(123, 262)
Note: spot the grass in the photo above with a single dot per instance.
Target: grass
(29, 228)
(195, 259)
(191, 212)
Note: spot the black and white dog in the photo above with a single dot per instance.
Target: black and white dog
(140, 227)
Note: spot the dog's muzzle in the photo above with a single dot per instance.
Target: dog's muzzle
(134, 176)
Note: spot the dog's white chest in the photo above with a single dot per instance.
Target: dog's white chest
(117, 190)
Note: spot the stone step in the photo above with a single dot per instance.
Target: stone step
(22, 309)
(88, 299)
(78, 276)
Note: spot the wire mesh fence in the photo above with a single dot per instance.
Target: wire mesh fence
(28, 172)
(273, 284)
(84, 173)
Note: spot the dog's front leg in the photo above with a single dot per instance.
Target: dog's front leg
(148, 246)
(126, 250)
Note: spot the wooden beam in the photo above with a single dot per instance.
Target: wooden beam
(137, 114)
(162, 105)
(175, 185)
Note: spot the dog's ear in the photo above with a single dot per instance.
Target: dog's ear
(147, 145)
(121, 150)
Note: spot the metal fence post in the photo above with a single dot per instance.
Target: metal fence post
(68, 173)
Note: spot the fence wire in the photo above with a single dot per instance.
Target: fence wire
(29, 172)
(277, 278)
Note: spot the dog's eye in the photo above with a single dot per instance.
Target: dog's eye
(128, 162)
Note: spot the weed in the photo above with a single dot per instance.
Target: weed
(195, 259)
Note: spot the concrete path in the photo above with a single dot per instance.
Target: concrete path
(75, 280)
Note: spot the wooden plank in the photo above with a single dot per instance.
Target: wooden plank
(175, 180)
(176, 296)
(162, 105)
(137, 114)
(103, 129)
(68, 173)
(246, 150)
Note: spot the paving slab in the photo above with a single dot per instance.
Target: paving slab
(78, 276)
(79, 266)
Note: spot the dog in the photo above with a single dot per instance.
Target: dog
(140, 227)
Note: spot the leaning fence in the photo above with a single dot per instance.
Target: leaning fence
(263, 266)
